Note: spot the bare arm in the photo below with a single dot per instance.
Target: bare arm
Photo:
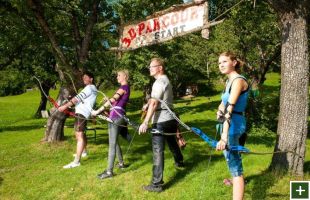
(238, 86)
(108, 102)
(220, 110)
(120, 92)
(70, 103)
(150, 111)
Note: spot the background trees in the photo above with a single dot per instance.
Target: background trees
(78, 34)
(23, 54)
(69, 27)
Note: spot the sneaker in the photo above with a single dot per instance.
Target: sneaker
(121, 165)
(153, 188)
(84, 154)
(72, 165)
(105, 174)
(179, 164)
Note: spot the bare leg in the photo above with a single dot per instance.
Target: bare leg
(238, 187)
(80, 145)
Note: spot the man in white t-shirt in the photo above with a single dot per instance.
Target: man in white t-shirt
(84, 103)
(162, 122)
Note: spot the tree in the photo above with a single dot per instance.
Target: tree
(294, 98)
(137, 60)
(69, 28)
(23, 55)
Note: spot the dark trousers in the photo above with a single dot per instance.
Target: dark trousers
(158, 145)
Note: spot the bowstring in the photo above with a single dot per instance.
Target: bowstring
(103, 117)
(163, 133)
(41, 87)
(46, 96)
(216, 133)
(164, 103)
(125, 118)
(207, 168)
(134, 125)
(71, 79)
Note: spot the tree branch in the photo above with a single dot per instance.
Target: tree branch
(288, 5)
(76, 34)
(8, 8)
(266, 65)
(36, 7)
(88, 33)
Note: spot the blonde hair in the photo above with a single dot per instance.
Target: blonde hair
(233, 57)
(124, 71)
(159, 61)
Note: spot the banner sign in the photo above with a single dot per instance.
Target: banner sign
(165, 25)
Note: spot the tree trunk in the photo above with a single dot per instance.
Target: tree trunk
(46, 86)
(55, 126)
(54, 129)
(292, 125)
(55, 123)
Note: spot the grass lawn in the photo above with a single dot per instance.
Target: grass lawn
(31, 170)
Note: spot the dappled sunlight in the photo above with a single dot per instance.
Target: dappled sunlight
(26, 161)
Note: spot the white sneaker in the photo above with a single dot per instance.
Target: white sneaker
(84, 154)
(72, 165)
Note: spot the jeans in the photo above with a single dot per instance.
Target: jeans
(233, 158)
(114, 148)
(158, 146)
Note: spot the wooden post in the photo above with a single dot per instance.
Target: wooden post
(205, 32)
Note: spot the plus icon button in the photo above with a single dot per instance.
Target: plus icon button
(300, 190)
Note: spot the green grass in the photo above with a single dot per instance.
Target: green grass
(31, 170)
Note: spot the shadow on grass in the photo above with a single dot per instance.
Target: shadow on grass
(193, 109)
(195, 159)
(140, 154)
(102, 138)
(1, 180)
(22, 127)
(268, 141)
(307, 166)
(264, 181)
(197, 156)
(141, 146)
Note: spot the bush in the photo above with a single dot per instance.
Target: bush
(263, 110)
(12, 82)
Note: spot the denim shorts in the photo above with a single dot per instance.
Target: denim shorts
(233, 158)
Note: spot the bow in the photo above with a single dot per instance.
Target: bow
(131, 123)
(201, 134)
(50, 99)
(213, 142)
(67, 112)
